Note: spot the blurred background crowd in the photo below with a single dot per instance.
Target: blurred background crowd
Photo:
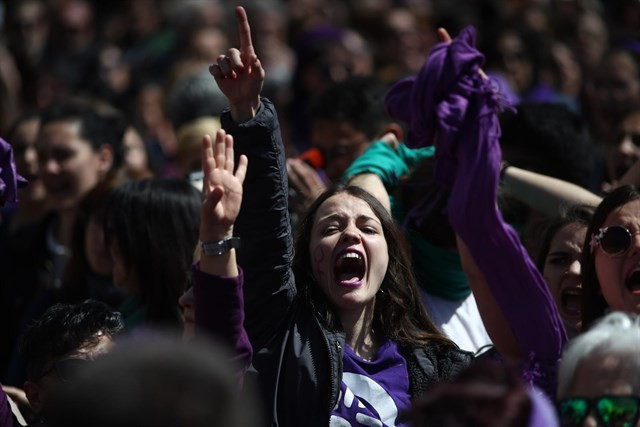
(148, 58)
(136, 75)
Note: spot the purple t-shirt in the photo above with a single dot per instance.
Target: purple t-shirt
(373, 393)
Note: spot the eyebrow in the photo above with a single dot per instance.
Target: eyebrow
(338, 216)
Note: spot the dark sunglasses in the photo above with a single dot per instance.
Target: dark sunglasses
(65, 369)
(611, 411)
(614, 240)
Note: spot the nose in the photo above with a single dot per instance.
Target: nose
(628, 149)
(590, 421)
(31, 158)
(351, 234)
(50, 166)
(574, 268)
(635, 244)
(186, 300)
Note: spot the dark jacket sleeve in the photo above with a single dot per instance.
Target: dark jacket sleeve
(263, 225)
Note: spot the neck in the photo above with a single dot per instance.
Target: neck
(360, 336)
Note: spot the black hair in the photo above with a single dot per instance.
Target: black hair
(19, 121)
(155, 223)
(593, 303)
(548, 139)
(398, 314)
(64, 328)
(358, 100)
(97, 128)
(77, 277)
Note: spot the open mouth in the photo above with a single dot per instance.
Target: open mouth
(633, 282)
(571, 301)
(349, 268)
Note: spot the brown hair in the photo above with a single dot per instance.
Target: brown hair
(399, 314)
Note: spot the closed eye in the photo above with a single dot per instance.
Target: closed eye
(559, 260)
(330, 230)
(370, 230)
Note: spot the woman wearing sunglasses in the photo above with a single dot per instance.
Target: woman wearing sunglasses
(599, 376)
(611, 256)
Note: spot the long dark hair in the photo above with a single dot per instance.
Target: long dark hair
(399, 314)
(593, 303)
(155, 224)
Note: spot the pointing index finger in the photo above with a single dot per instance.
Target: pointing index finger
(246, 47)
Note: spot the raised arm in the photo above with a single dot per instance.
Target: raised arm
(263, 225)
(239, 74)
(544, 193)
(452, 105)
(219, 306)
(500, 261)
(221, 200)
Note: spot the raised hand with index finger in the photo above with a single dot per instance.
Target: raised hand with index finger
(239, 73)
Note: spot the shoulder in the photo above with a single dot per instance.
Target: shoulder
(430, 364)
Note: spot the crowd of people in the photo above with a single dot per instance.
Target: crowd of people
(345, 213)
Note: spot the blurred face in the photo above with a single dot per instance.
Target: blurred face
(618, 85)
(26, 157)
(562, 270)
(619, 275)
(349, 253)
(592, 39)
(515, 61)
(135, 156)
(69, 167)
(626, 150)
(569, 71)
(340, 143)
(187, 304)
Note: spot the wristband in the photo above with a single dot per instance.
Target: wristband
(220, 247)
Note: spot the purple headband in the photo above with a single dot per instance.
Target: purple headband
(10, 181)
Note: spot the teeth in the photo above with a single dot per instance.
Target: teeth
(351, 255)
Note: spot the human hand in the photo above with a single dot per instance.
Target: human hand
(391, 139)
(239, 74)
(444, 37)
(306, 182)
(221, 187)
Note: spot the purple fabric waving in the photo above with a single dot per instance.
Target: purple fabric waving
(456, 110)
(9, 178)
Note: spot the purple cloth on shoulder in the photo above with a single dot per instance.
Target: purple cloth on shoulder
(10, 181)
(454, 108)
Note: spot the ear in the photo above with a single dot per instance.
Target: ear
(105, 158)
(393, 128)
(34, 395)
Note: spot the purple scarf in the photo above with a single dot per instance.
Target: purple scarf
(450, 105)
